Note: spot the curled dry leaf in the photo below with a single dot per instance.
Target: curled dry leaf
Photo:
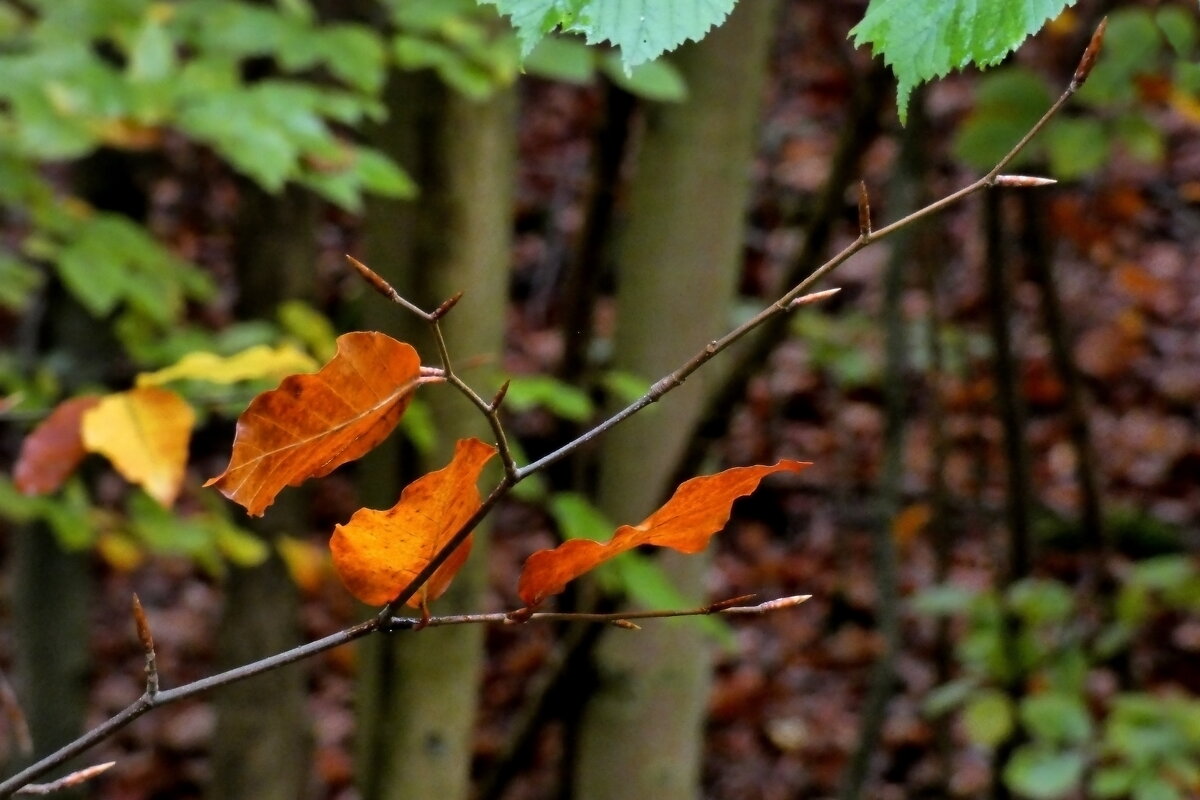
(378, 553)
(312, 424)
(144, 433)
(53, 450)
(699, 508)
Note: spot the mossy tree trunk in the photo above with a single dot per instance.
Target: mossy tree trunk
(418, 691)
(678, 259)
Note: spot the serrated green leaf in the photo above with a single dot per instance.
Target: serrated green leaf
(1044, 774)
(533, 19)
(988, 717)
(641, 29)
(926, 39)
(659, 80)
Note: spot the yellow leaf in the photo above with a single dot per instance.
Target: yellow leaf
(144, 433)
(260, 361)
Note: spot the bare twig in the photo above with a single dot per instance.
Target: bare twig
(66, 782)
(514, 618)
(147, 640)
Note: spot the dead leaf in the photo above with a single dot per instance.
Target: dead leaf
(699, 508)
(312, 424)
(144, 433)
(378, 553)
(53, 450)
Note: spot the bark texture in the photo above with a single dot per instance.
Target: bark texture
(678, 261)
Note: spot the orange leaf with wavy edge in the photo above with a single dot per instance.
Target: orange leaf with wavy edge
(699, 508)
(144, 433)
(52, 451)
(312, 424)
(378, 553)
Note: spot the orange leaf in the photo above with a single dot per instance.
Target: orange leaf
(312, 424)
(144, 433)
(378, 553)
(52, 451)
(698, 509)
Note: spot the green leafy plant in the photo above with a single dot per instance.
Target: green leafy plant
(1032, 637)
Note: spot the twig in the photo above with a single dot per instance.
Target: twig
(514, 475)
(67, 781)
(512, 618)
(147, 640)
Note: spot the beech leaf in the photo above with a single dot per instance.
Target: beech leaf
(144, 433)
(378, 553)
(260, 361)
(699, 508)
(52, 451)
(312, 424)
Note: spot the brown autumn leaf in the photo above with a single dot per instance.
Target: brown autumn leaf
(52, 451)
(699, 508)
(378, 553)
(144, 433)
(312, 424)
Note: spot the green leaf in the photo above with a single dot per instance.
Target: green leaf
(355, 54)
(18, 280)
(1042, 773)
(379, 175)
(1056, 718)
(1178, 26)
(659, 81)
(988, 717)
(152, 56)
(559, 398)
(1143, 139)
(560, 58)
(624, 387)
(1076, 147)
(925, 39)
(1154, 787)
(1007, 103)
(1111, 782)
(945, 600)
(949, 696)
(578, 518)
(1040, 600)
(642, 29)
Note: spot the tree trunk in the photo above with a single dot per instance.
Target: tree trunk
(263, 738)
(418, 692)
(678, 263)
